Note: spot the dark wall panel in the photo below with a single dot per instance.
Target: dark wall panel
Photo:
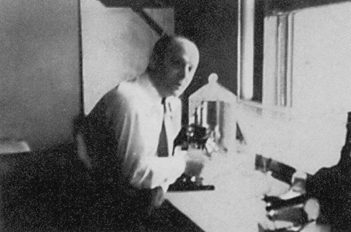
(213, 26)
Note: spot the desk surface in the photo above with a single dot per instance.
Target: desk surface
(235, 204)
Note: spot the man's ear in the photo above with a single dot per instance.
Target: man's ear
(152, 64)
(155, 63)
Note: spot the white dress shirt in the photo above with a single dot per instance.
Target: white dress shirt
(123, 132)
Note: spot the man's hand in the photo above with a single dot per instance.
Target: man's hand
(158, 197)
(195, 161)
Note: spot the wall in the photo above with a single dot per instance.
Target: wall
(40, 87)
(116, 41)
(310, 134)
(39, 75)
(40, 96)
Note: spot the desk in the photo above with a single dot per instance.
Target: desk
(235, 204)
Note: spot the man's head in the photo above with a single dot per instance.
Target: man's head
(172, 65)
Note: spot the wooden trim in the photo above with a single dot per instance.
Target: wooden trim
(139, 3)
(274, 6)
(151, 22)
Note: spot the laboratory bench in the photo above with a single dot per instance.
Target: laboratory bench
(235, 203)
(46, 191)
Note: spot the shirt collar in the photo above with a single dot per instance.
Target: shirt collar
(151, 90)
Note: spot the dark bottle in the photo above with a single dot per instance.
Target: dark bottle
(345, 159)
(348, 133)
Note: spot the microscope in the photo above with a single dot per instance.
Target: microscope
(210, 130)
(191, 137)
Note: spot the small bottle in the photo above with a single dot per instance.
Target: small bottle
(275, 203)
(307, 210)
(296, 215)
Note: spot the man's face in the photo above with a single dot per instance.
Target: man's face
(180, 64)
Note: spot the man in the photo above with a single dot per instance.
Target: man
(129, 134)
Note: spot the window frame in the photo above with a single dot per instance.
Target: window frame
(281, 92)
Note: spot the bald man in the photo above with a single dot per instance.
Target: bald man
(129, 134)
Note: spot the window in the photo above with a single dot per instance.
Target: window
(250, 49)
(283, 59)
(264, 54)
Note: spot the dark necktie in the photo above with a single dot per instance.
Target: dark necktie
(162, 149)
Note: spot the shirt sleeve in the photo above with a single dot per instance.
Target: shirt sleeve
(141, 167)
(159, 171)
